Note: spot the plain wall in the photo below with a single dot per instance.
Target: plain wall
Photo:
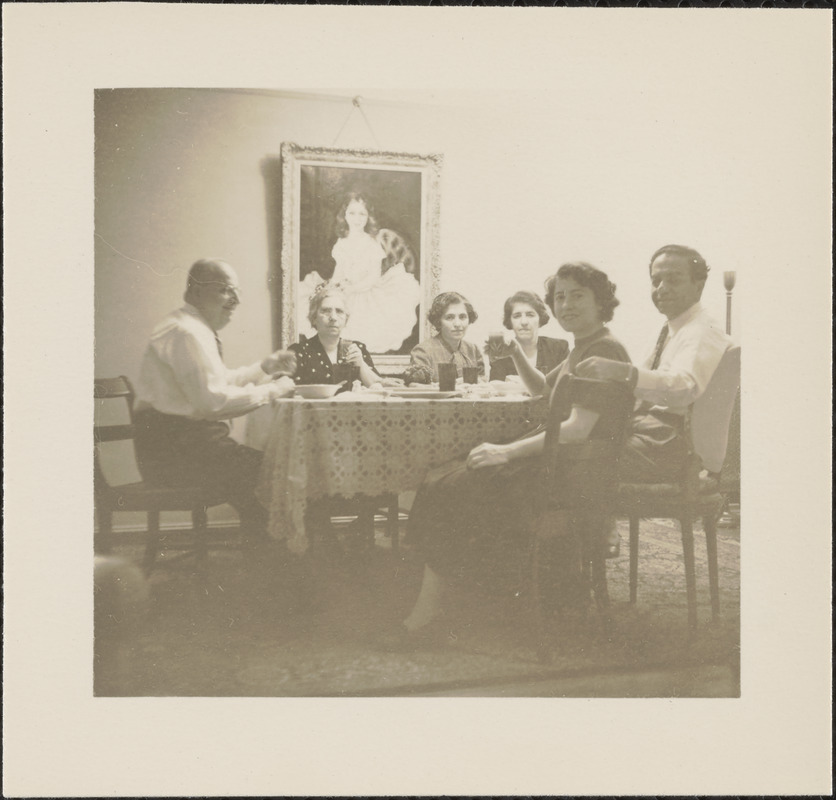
(606, 173)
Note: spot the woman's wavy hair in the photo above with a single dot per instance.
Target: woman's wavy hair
(592, 278)
(530, 299)
(342, 226)
(442, 302)
(319, 294)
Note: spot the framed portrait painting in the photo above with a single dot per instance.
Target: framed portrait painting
(367, 221)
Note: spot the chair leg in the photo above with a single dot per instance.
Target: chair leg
(392, 522)
(152, 541)
(540, 645)
(103, 539)
(634, 557)
(599, 573)
(200, 525)
(710, 525)
(687, 527)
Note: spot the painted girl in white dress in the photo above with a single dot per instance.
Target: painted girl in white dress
(382, 304)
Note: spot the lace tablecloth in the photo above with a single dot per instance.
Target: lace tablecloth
(343, 447)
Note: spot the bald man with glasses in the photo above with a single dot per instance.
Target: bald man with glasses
(186, 394)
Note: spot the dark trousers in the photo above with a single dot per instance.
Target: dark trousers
(176, 451)
(655, 450)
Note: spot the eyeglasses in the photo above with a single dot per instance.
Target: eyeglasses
(227, 290)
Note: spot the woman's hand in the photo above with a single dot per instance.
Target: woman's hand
(500, 345)
(487, 455)
(353, 355)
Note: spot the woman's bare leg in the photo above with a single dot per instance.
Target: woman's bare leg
(429, 602)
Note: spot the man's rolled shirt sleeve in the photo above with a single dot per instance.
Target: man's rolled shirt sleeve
(683, 376)
(205, 381)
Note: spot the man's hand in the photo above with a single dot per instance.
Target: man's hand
(487, 455)
(281, 387)
(282, 362)
(605, 369)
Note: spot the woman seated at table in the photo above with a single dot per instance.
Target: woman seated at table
(317, 356)
(492, 492)
(315, 361)
(524, 314)
(451, 315)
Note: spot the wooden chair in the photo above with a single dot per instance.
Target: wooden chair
(140, 496)
(590, 469)
(697, 493)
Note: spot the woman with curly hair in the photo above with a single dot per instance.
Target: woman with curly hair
(497, 489)
(451, 314)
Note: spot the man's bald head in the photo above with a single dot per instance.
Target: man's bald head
(212, 288)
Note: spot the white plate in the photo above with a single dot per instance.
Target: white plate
(501, 387)
(415, 388)
(317, 391)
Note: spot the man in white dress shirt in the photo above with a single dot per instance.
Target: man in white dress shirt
(185, 394)
(675, 372)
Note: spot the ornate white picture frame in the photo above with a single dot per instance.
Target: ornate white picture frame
(402, 195)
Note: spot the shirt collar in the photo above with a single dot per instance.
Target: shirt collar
(675, 324)
(447, 346)
(194, 312)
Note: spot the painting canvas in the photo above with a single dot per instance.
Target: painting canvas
(369, 222)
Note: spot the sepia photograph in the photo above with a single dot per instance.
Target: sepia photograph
(422, 428)
(579, 515)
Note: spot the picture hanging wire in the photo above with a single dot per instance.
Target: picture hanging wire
(355, 104)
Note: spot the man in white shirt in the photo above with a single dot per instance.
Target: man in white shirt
(185, 394)
(675, 372)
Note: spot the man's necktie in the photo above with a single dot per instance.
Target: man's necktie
(220, 347)
(660, 346)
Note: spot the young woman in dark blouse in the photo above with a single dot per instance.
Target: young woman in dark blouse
(524, 314)
(492, 491)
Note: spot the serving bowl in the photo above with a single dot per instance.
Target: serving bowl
(317, 391)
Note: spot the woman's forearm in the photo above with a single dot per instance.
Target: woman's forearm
(525, 448)
(367, 375)
(533, 379)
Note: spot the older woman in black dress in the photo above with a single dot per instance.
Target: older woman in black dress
(492, 492)
(315, 361)
(316, 357)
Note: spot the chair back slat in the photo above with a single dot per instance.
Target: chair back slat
(116, 461)
(109, 388)
(712, 411)
(112, 433)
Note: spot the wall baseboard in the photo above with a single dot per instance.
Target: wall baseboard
(181, 526)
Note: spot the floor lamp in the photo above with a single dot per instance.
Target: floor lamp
(731, 515)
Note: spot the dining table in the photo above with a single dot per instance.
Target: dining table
(370, 444)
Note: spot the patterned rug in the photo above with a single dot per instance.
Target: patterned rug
(232, 630)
